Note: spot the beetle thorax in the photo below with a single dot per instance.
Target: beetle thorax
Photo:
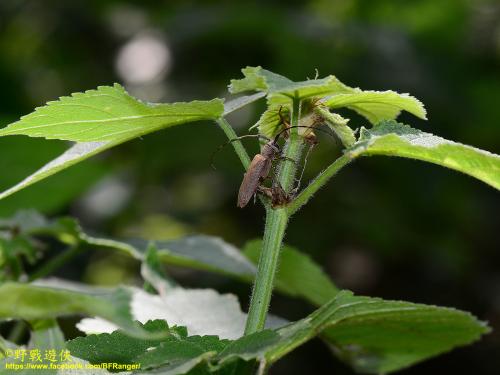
(269, 150)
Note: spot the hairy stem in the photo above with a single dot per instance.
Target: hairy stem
(276, 223)
(237, 145)
(317, 184)
(293, 149)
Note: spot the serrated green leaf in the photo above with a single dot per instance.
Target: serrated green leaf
(396, 139)
(108, 114)
(330, 92)
(118, 346)
(98, 120)
(259, 79)
(32, 302)
(377, 105)
(297, 274)
(369, 333)
(175, 352)
(178, 355)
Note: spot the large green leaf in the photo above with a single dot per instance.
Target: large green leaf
(372, 335)
(98, 120)
(297, 274)
(108, 114)
(395, 139)
(34, 302)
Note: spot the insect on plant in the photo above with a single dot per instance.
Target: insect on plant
(372, 335)
(260, 167)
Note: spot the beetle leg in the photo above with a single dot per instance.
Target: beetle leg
(296, 189)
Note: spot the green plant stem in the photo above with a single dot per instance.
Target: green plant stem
(239, 148)
(318, 183)
(54, 263)
(292, 151)
(237, 145)
(276, 223)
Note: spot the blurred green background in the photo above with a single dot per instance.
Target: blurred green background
(391, 228)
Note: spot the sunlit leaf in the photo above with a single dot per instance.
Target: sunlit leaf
(98, 120)
(108, 113)
(395, 139)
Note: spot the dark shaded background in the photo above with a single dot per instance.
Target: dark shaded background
(392, 228)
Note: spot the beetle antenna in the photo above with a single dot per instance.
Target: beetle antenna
(311, 146)
(276, 137)
(219, 149)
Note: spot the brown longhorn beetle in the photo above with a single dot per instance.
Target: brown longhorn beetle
(260, 167)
